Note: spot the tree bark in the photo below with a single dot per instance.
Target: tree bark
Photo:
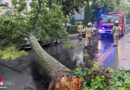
(56, 70)
(49, 64)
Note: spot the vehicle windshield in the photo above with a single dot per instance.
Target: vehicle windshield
(109, 19)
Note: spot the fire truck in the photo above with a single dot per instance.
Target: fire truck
(107, 22)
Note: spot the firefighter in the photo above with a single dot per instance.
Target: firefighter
(80, 27)
(116, 33)
(89, 35)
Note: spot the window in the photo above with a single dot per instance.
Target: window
(109, 19)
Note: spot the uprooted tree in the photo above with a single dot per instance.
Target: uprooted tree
(39, 23)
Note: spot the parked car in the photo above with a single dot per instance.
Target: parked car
(27, 46)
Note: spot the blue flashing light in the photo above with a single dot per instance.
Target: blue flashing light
(102, 13)
(103, 28)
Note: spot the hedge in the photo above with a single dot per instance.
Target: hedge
(73, 29)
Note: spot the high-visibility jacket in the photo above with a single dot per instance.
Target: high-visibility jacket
(80, 27)
(89, 32)
(116, 30)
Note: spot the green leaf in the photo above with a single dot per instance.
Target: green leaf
(122, 88)
(118, 83)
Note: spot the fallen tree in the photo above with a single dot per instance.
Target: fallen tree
(49, 64)
(37, 24)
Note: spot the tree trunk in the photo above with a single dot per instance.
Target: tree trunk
(49, 64)
(57, 71)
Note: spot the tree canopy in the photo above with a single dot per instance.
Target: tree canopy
(72, 20)
(41, 21)
(87, 13)
(69, 6)
(107, 6)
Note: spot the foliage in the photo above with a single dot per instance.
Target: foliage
(11, 53)
(87, 14)
(72, 29)
(98, 6)
(72, 21)
(92, 12)
(128, 8)
(107, 6)
(120, 80)
(69, 6)
(81, 43)
(86, 55)
(9, 35)
(67, 45)
(41, 21)
(103, 79)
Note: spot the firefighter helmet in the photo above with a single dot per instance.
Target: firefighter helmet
(116, 22)
(90, 24)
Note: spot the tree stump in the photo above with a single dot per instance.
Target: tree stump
(72, 84)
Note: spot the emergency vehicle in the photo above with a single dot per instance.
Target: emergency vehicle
(107, 22)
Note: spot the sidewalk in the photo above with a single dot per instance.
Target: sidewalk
(73, 36)
(124, 52)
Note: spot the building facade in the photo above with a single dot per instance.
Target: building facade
(79, 17)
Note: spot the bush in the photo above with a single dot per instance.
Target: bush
(67, 45)
(103, 79)
(72, 21)
(73, 29)
(11, 53)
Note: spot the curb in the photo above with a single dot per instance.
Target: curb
(73, 36)
(109, 51)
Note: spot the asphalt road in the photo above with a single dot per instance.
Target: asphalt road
(111, 57)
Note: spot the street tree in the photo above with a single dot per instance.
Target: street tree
(38, 23)
(72, 20)
(87, 13)
(69, 6)
(107, 6)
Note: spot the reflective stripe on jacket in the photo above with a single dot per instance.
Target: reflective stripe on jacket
(117, 30)
(89, 32)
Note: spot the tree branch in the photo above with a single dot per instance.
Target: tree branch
(23, 31)
(36, 23)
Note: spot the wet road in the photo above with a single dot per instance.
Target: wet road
(73, 58)
(111, 58)
(25, 74)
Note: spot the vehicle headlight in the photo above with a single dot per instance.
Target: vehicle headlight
(100, 30)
